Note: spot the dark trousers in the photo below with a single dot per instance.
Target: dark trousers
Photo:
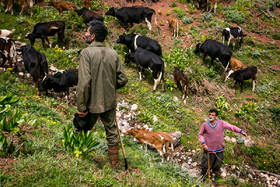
(216, 161)
(108, 120)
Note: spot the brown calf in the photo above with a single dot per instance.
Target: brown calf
(61, 6)
(26, 4)
(148, 138)
(182, 82)
(213, 4)
(234, 65)
(173, 25)
(9, 5)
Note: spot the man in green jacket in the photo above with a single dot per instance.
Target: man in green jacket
(100, 74)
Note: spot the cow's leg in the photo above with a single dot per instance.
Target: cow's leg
(156, 81)
(226, 67)
(162, 83)
(22, 7)
(203, 60)
(241, 85)
(183, 89)
(230, 37)
(48, 41)
(233, 45)
(212, 62)
(139, 72)
(254, 84)
(235, 83)
(148, 24)
(215, 7)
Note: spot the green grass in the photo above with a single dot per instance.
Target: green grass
(44, 160)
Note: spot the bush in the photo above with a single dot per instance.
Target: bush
(234, 16)
(206, 17)
(276, 36)
(179, 12)
(81, 143)
(187, 20)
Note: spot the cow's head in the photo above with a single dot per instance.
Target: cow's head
(231, 73)
(45, 83)
(31, 38)
(111, 12)
(132, 131)
(121, 39)
(128, 58)
(24, 48)
(79, 12)
(197, 48)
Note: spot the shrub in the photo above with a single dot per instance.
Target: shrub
(179, 12)
(221, 105)
(276, 36)
(234, 16)
(275, 113)
(206, 17)
(247, 111)
(174, 4)
(81, 143)
(187, 20)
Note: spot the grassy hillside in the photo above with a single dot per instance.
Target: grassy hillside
(38, 146)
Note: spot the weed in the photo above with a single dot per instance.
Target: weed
(234, 16)
(187, 20)
(221, 106)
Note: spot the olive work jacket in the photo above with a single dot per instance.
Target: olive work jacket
(100, 73)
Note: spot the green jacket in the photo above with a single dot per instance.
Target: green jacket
(100, 74)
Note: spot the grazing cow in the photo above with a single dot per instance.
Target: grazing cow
(7, 33)
(60, 82)
(87, 4)
(9, 6)
(233, 34)
(89, 15)
(213, 4)
(133, 41)
(8, 50)
(234, 65)
(174, 26)
(62, 6)
(148, 138)
(215, 50)
(244, 74)
(148, 60)
(133, 15)
(35, 63)
(182, 82)
(45, 29)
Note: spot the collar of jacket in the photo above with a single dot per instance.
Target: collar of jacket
(97, 44)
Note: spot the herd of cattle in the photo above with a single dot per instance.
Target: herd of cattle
(144, 51)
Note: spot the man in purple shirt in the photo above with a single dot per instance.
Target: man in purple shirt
(211, 136)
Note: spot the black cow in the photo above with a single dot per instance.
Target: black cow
(133, 15)
(89, 15)
(133, 41)
(244, 74)
(215, 50)
(35, 62)
(148, 60)
(45, 29)
(60, 82)
(233, 34)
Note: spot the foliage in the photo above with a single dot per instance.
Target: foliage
(180, 13)
(206, 17)
(262, 158)
(174, 4)
(10, 120)
(187, 20)
(221, 106)
(234, 16)
(179, 58)
(80, 143)
(275, 113)
(276, 36)
(247, 111)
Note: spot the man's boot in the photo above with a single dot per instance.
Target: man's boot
(113, 155)
(215, 179)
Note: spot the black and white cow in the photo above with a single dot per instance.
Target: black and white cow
(60, 82)
(215, 50)
(148, 60)
(234, 34)
(89, 15)
(133, 41)
(8, 50)
(241, 75)
(135, 14)
(45, 29)
(35, 63)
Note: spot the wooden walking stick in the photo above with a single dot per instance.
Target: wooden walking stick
(208, 166)
(124, 156)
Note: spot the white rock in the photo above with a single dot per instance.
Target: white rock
(21, 74)
(233, 175)
(223, 174)
(155, 118)
(18, 37)
(194, 173)
(242, 180)
(185, 166)
(233, 140)
(194, 164)
(250, 176)
(134, 107)
(27, 75)
(176, 98)
(227, 138)
(193, 151)
(233, 167)
(118, 114)
(248, 142)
